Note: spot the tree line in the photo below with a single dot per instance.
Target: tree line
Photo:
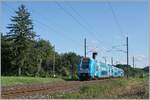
(133, 72)
(23, 53)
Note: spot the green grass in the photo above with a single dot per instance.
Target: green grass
(14, 80)
(121, 88)
(133, 88)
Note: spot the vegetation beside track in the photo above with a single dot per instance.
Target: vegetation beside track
(132, 88)
(15, 80)
(25, 53)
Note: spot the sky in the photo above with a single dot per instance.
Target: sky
(103, 24)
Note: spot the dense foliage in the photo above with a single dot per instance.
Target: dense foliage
(133, 72)
(146, 69)
(24, 55)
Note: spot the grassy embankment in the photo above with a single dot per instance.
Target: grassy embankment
(118, 88)
(14, 80)
(132, 88)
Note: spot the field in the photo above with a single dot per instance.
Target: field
(132, 88)
(119, 88)
(13, 80)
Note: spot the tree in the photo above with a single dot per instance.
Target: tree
(22, 35)
(70, 62)
(146, 69)
(132, 72)
(44, 54)
(6, 56)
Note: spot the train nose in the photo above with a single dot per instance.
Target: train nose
(84, 76)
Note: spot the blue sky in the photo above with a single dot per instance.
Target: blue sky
(93, 20)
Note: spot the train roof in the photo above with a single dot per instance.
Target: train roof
(103, 63)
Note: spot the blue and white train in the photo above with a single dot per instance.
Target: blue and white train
(89, 69)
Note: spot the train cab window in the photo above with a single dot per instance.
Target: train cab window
(85, 63)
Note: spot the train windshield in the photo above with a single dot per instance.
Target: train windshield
(85, 63)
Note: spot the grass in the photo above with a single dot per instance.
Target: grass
(120, 88)
(132, 88)
(14, 80)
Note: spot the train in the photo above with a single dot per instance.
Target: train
(90, 68)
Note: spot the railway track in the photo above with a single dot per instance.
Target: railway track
(35, 90)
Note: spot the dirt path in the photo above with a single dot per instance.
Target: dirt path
(42, 91)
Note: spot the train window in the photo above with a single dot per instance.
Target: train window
(104, 73)
(86, 60)
(115, 73)
(85, 63)
(97, 68)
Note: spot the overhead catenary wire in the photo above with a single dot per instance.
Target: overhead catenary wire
(87, 24)
(115, 18)
(65, 36)
(70, 38)
(67, 12)
(115, 47)
(77, 13)
(89, 31)
(77, 21)
(103, 49)
(120, 30)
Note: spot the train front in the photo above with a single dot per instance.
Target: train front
(84, 69)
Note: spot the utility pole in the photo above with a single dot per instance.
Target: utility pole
(133, 61)
(127, 56)
(54, 62)
(85, 47)
(111, 60)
